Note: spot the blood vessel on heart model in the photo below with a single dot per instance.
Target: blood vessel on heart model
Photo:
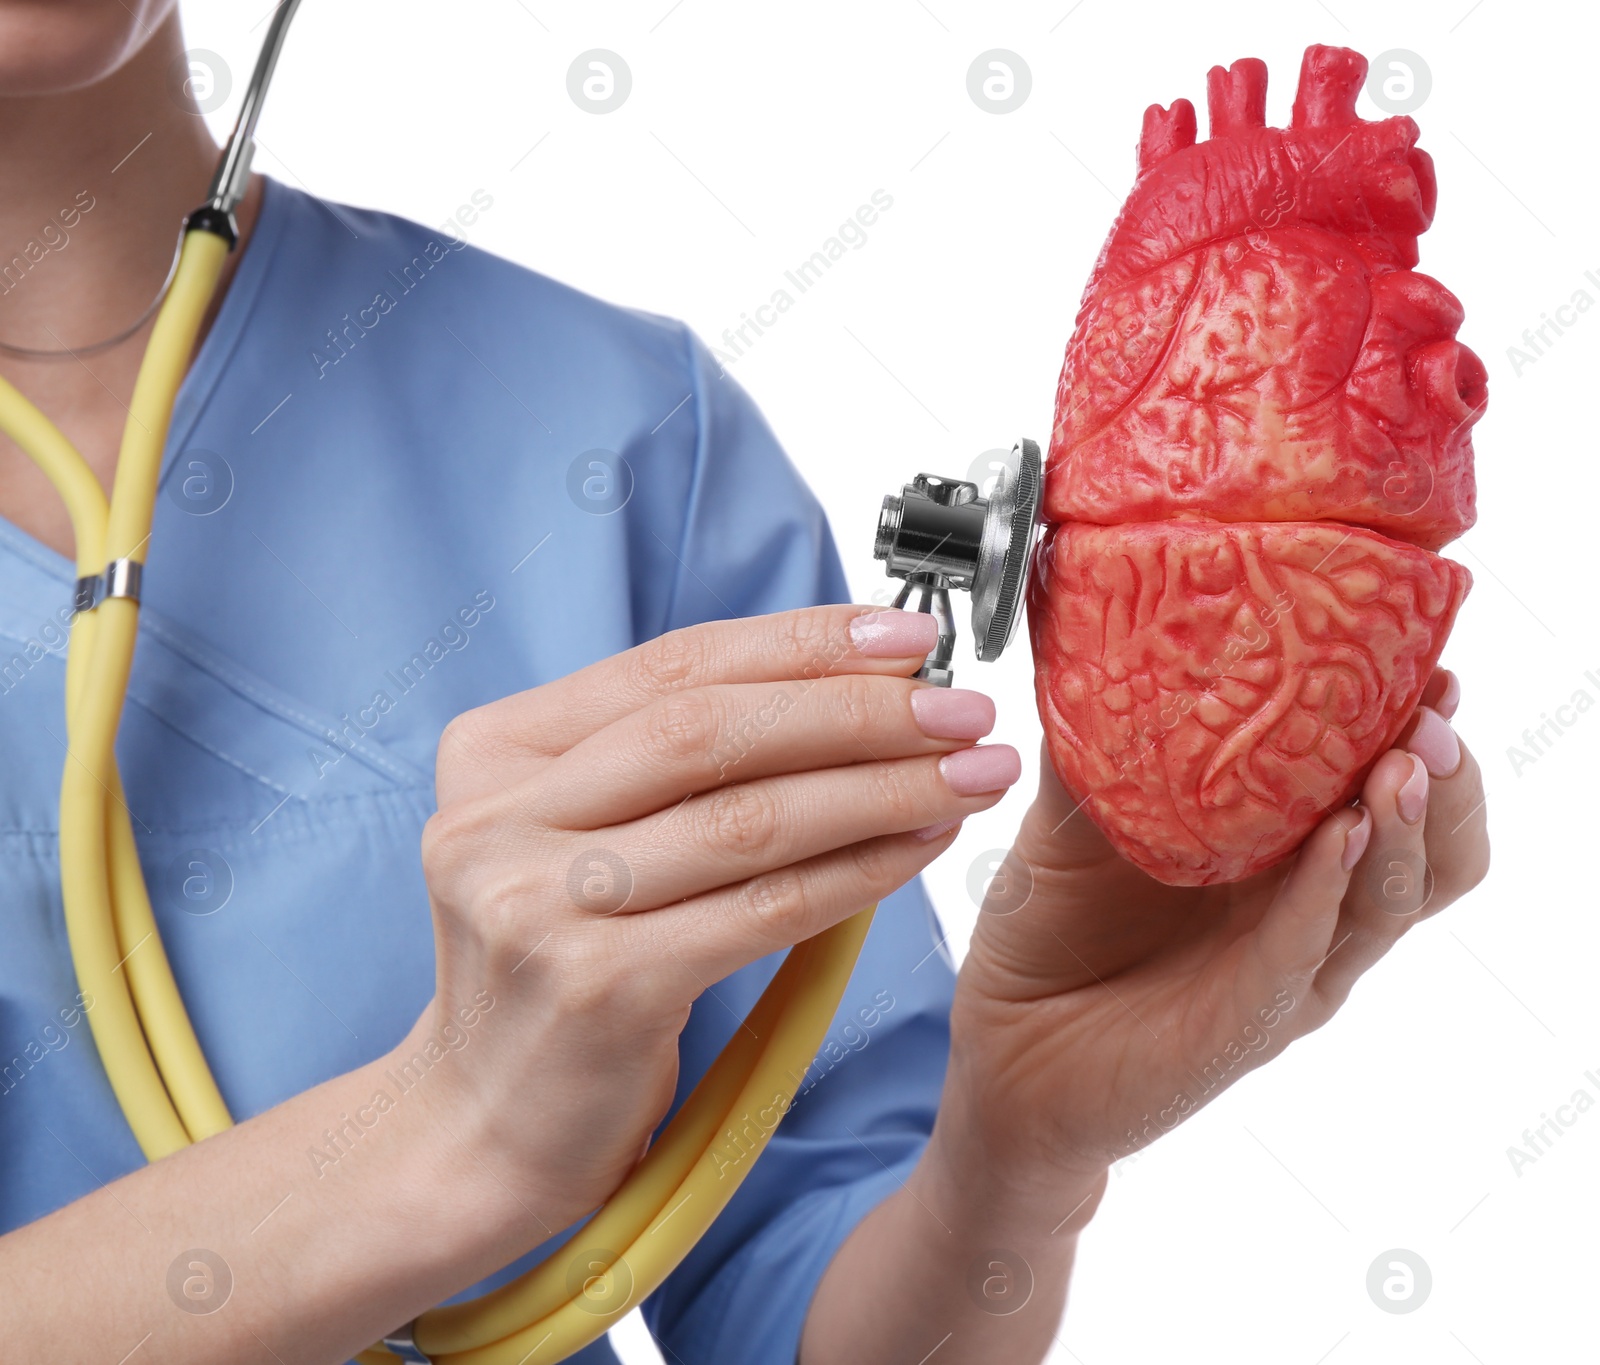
(1262, 435)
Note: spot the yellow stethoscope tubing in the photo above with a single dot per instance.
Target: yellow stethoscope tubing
(140, 1026)
(136, 1015)
(681, 1183)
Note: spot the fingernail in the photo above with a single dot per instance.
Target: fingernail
(1412, 799)
(952, 712)
(1435, 743)
(1355, 841)
(1446, 705)
(894, 634)
(988, 768)
(928, 832)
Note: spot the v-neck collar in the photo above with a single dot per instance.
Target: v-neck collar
(218, 348)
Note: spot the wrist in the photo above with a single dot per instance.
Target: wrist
(967, 1175)
(473, 1193)
(380, 1170)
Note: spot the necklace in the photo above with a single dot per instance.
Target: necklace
(75, 352)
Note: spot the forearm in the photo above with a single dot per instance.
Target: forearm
(324, 1254)
(965, 1259)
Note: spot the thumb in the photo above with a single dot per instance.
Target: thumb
(1058, 832)
(1295, 936)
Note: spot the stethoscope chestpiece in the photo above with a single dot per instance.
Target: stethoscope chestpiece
(939, 533)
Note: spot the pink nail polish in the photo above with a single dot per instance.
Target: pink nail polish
(992, 767)
(894, 634)
(1446, 705)
(952, 713)
(930, 832)
(1412, 798)
(1355, 841)
(1435, 743)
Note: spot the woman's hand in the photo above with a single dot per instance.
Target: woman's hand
(609, 845)
(1098, 1008)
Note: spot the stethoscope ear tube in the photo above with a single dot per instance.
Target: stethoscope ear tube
(232, 179)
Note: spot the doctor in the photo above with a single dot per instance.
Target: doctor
(476, 609)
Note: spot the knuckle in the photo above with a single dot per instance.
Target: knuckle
(480, 863)
(740, 820)
(485, 738)
(503, 915)
(862, 707)
(448, 838)
(874, 863)
(585, 974)
(896, 794)
(809, 639)
(436, 851)
(681, 726)
(463, 738)
(669, 662)
(774, 900)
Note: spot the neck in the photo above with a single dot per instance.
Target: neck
(97, 182)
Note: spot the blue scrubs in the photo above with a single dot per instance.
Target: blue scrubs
(406, 478)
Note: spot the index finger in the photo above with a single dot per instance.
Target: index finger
(808, 643)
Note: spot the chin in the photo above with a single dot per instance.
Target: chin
(52, 47)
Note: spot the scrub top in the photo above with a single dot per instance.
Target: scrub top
(405, 478)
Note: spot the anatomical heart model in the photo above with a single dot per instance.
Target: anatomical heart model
(1262, 436)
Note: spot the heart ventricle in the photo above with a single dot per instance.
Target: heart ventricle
(1262, 437)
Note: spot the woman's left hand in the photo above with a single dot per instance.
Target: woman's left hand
(1106, 1007)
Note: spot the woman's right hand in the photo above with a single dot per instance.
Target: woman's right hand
(612, 844)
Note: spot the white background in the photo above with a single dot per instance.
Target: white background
(750, 133)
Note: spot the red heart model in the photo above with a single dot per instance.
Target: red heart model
(1263, 432)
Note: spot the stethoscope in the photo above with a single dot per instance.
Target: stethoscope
(936, 534)
(940, 533)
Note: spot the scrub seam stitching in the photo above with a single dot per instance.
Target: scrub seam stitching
(692, 500)
(205, 659)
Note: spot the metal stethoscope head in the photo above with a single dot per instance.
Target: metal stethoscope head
(939, 533)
